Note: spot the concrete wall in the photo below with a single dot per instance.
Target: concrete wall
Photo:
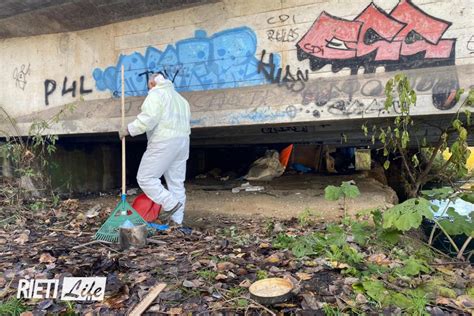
(278, 61)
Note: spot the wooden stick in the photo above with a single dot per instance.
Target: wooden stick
(123, 127)
(91, 243)
(463, 248)
(149, 298)
(154, 241)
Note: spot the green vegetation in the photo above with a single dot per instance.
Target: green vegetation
(12, 307)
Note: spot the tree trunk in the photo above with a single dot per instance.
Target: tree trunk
(413, 191)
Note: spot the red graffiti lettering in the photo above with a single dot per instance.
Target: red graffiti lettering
(405, 38)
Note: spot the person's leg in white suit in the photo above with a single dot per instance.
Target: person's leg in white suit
(175, 176)
(167, 158)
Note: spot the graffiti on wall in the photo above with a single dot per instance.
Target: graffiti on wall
(224, 60)
(20, 74)
(405, 38)
(50, 87)
(470, 45)
(294, 82)
(440, 84)
(279, 32)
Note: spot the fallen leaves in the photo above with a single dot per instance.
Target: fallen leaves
(211, 268)
(303, 276)
(379, 259)
(46, 258)
(23, 238)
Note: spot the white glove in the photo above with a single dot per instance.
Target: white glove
(123, 132)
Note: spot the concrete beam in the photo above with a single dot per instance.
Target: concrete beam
(35, 17)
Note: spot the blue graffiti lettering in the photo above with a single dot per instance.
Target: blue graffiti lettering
(224, 60)
(261, 115)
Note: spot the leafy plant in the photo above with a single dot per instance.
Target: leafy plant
(345, 254)
(238, 238)
(304, 218)
(29, 152)
(347, 190)
(413, 302)
(398, 138)
(408, 214)
(451, 223)
(413, 266)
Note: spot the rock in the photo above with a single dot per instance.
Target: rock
(225, 266)
(220, 277)
(188, 284)
(310, 303)
(175, 311)
(273, 259)
(46, 258)
(241, 271)
(436, 311)
(361, 299)
(154, 309)
(278, 228)
(93, 211)
(245, 283)
(171, 296)
(350, 281)
(196, 266)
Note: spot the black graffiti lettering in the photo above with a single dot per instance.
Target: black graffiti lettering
(372, 88)
(444, 93)
(82, 90)
(314, 49)
(425, 83)
(283, 35)
(284, 129)
(470, 45)
(375, 107)
(270, 34)
(282, 18)
(295, 84)
(71, 90)
(49, 87)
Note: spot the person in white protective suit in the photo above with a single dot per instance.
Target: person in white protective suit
(165, 118)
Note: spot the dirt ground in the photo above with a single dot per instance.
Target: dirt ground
(282, 198)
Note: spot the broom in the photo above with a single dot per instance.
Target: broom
(109, 231)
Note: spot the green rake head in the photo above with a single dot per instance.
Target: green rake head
(124, 211)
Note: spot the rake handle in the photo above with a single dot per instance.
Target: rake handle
(123, 127)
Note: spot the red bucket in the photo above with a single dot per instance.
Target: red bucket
(147, 209)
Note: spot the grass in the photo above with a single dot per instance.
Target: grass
(262, 274)
(207, 275)
(12, 307)
(235, 292)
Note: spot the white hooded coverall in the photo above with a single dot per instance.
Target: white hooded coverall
(165, 117)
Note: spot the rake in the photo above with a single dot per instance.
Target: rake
(109, 231)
